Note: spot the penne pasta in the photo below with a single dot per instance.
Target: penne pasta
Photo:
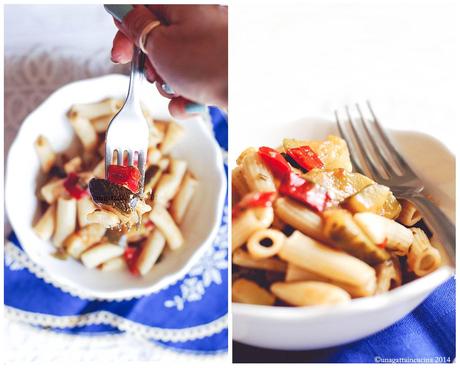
(81, 240)
(153, 156)
(100, 253)
(303, 293)
(388, 275)
(66, 219)
(169, 183)
(265, 243)
(422, 258)
(99, 169)
(114, 264)
(101, 123)
(45, 226)
(85, 206)
(52, 190)
(244, 259)
(249, 222)
(258, 177)
(248, 292)
(45, 153)
(152, 177)
(299, 217)
(73, 165)
(308, 253)
(183, 198)
(165, 223)
(151, 251)
(106, 218)
(385, 233)
(108, 106)
(173, 135)
(296, 273)
(84, 131)
(409, 214)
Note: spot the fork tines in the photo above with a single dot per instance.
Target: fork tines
(371, 149)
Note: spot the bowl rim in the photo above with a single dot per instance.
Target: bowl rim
(416, 287)
(132, 292)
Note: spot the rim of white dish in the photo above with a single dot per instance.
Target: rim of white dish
(415, 287)
(165, 281)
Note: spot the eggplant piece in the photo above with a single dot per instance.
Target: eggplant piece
(106, 193)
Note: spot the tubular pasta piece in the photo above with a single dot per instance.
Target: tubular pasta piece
(409, 214)
(100, 253)
(45, 153)
(114, 264)
(248, 292)
(244, 259)
(300, 217)
(307, 253)
(169, 183)
(151, 250)
(183, 198)
(66, 219)
(106, 218)
(249, 222)
(74, 165)
(258, 250)
(52, 190)
(388, 275)
(165, 223)
(84, 131)
(85, 206)
(173, 135)
(422, 258)
(296, 273)
(108, 106)
(258, 177)
(302, 293)
(44, 227)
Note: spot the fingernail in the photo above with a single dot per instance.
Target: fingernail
(167, 89)
(194, 108)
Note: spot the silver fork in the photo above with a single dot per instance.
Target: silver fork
(128, 131)
(369, 135)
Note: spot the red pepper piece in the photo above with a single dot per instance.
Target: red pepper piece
(252, 200)
(275, 161)
(131, 255)
(305, 157)
(128, 176)
(74, 187)
(305, 192)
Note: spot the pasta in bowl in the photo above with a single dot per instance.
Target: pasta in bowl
(181, 197)
(309, 232)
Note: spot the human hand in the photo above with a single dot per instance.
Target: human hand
(188, 51)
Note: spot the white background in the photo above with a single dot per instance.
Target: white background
(304, 59)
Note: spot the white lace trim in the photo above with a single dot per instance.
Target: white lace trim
(20, 258)
(148, 350)
(125, 325)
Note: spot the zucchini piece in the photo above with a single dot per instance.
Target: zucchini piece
(345, 234)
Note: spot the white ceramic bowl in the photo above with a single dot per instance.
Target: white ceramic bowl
(305, 328)
(200, 225)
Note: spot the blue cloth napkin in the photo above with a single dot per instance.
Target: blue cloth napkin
(190, 315)
(427, 335)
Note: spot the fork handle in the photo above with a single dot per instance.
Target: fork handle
(438, 222)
